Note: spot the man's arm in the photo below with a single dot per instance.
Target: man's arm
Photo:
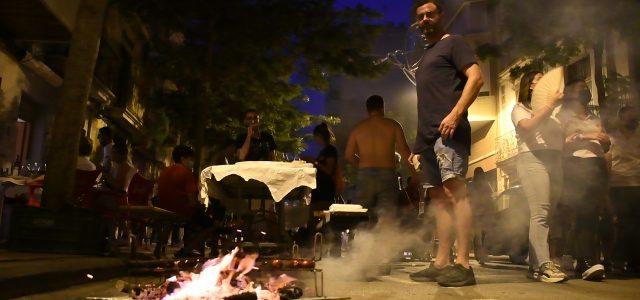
(540, 115)
(350, 153)
(469, 94)
(243, 151)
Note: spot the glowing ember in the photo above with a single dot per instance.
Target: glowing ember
(220, 278)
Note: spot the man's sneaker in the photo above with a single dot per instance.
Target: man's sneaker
(456, 276)
(427, 275)
(550, 273)
(587, 271)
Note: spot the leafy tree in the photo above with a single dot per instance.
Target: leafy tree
(71, 107)
(252, 54)
(209, 61)
(551, 33)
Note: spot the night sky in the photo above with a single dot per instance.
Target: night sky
(393, 11)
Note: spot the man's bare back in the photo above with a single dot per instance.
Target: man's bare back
(374, 141)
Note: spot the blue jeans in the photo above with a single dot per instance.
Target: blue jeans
(445, 160)
(377, 190)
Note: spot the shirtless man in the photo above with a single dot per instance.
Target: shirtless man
(371, 148)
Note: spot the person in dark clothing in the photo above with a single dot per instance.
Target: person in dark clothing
(448, 80)
(624, 165)
(585, 176)
(177, 192)
(326, 165)
(255, 145)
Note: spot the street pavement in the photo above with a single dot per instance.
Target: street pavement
(495, 281)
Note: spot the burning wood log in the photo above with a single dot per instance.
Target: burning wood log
(224, 278)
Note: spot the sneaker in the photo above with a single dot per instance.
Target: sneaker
(456, 276)
(550, 273)
(587, 271)
(427, 275)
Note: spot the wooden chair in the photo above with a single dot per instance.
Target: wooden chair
(140, 190)
(139, 194)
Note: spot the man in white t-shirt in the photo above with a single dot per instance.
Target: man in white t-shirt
(84, 151)
(624, 162)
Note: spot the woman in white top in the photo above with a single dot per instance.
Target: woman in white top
(539, 165)
(624, 158)
(586, 176)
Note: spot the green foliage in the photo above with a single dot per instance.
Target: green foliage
(550, 33)
(259, 48)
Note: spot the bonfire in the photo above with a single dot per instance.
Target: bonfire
(222, 278)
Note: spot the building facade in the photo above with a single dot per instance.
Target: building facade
(34, 41)
(494, 141)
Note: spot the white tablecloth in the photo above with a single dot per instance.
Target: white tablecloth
(280, 177)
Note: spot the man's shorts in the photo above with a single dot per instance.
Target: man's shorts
(445, 160)
(377, 190)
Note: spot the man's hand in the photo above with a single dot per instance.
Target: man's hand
(250, 131)
(572, 138)
(449, 124)
(414, 160)
(603, 138)
(598, 136)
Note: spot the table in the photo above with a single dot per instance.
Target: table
(280, 178)
(262, 180)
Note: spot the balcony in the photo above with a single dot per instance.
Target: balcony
(506, 147)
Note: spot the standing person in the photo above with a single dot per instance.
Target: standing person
(586, 176)
(448, 80)
(539, 166)
(105, 137)
(255, 144)
(483, 211)
(326, 164)
(624, 160)
(177, 192)
(371, 148)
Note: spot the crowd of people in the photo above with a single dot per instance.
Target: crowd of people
(581, 182)
(572, 172)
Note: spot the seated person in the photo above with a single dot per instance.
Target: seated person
(177, 192)
(255, 145)
(84, 151)
(121, 171)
